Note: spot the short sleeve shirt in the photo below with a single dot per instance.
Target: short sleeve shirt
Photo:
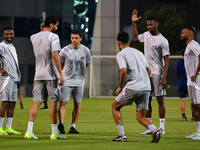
(191, 61)
(44, 43)
(135, 63)
(155, 47)
(75, 61)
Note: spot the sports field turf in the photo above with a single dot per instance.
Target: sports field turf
(97, 128)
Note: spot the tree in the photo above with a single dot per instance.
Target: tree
(171, 22)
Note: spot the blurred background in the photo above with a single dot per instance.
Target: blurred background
(100, 21)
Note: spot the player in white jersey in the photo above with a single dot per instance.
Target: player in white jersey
(156, 51)
(46, 45)
(136, 71)
(9, 75)
(192, 67)
(75, 58)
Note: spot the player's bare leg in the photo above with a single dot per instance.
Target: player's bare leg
(161, 108)
(75, 115)
(61, 117)
(116, 106)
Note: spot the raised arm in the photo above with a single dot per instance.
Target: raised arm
(134, 26)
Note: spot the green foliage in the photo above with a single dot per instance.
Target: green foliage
(171, 23)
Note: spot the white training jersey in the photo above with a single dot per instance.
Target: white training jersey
(75, 61)
(44, 43)
(155, 47)
(135, 63)
(191, 54)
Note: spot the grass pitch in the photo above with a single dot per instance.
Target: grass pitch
(97, 128)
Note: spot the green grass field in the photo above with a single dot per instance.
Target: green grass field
(97, 128)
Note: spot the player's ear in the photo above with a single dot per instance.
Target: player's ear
(157, 24)
(119, 43)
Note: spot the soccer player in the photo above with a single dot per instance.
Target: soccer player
(182, 85)
(9, 75)
(136, 71)
(75, 58)
(19, 95)
(156, 51)
(192, 67)
(46, 45)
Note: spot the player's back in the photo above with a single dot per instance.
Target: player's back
(136, 64)
(43, 46)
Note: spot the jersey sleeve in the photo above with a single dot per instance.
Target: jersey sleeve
(165, 48)
(195, 49)
(121, 61)
(1, 49)
(55, 43)
(88, 56)
(142, 37)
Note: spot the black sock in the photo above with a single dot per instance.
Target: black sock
(192, 114)
(183, 115)
(20, 103)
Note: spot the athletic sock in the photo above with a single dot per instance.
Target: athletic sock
(198, 126)
(30, 127)
(152, 127)
(45, 104)
(73, 125)
(192, 114)
(1, 121)
(9, 122)
(54, 128)
(120, 129)
(183, 115)
(162, 123)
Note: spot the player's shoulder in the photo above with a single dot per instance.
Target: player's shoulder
(163, 38)
(85, 48)
(66, 48)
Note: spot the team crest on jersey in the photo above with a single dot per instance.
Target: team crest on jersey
(154, 46)
(82, 58)
(185, 54)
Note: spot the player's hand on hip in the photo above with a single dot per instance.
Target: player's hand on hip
(194, 77)
(134, 16)
(3, 72)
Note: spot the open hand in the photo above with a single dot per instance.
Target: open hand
(134, 16)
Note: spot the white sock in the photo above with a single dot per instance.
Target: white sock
(120, 129)
(54, 128)
(30, 127)
(162, 123)
(9, 122)
(1, 121)
(198, 126)
(73, 125)
(152, 127)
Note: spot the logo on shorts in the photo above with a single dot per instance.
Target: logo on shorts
(82, 58)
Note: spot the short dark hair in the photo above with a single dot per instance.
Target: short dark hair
(191, 28)
(7, 28)
(77, 32)
(152, 18)
(123, 37)
(50, 19)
